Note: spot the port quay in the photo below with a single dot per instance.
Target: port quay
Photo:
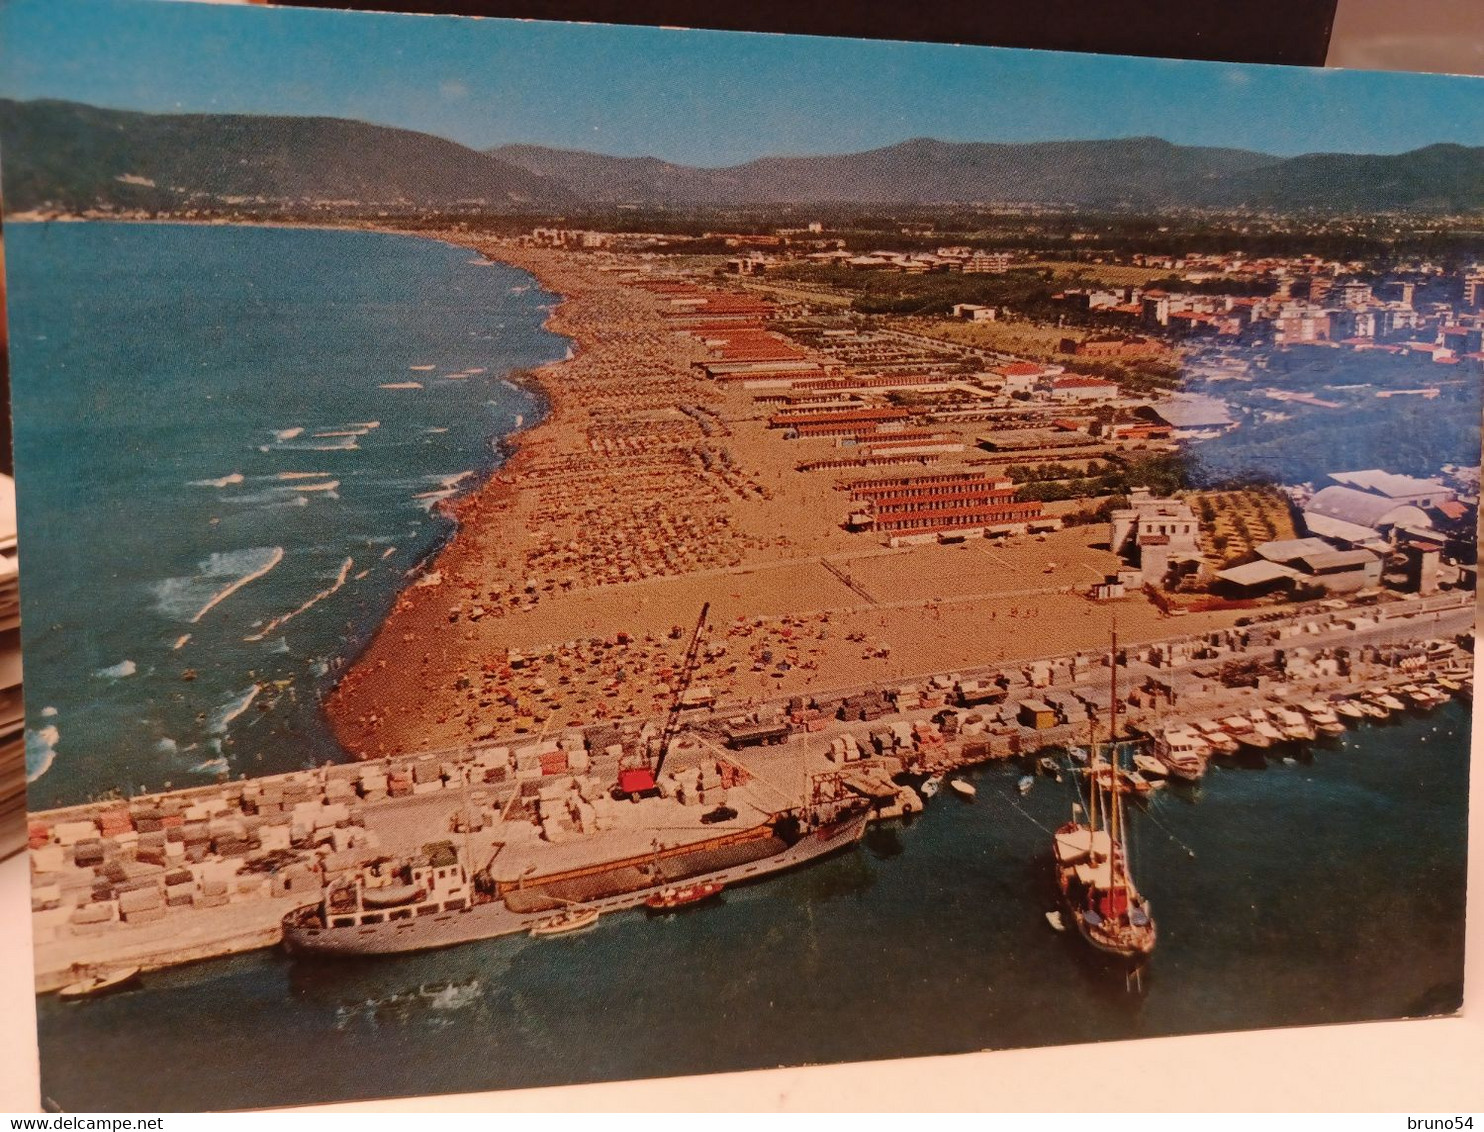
(162, 879)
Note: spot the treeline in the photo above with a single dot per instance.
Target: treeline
(1163, 473)
(899, 293)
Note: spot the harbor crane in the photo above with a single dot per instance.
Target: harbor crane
(638, 776)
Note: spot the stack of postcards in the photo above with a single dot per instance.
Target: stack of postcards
(12, 742)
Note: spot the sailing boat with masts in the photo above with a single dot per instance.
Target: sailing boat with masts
(1097, 889)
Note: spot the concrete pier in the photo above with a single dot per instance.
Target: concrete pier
(163, 879)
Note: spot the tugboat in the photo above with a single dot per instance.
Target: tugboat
(668, 899)
(1090, 853)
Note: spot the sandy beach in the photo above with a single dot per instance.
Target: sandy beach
(568, 593)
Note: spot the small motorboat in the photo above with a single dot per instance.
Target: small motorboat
(1047, 766)
(100, 983)
(961, 788)
(931, 786)
(1131, 781)
(1056, 922)
(572, 920)
(682, 895)
(1348, 710)
(1292, 724)
(1025, 783)
(1237, 726)
(1323, 717)
(1264, 728)
(1388, 701)
(1218, 740)
(1149, 766)
(1426, 697)
(1183, 752)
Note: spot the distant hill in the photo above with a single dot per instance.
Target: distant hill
(74, 156)
(1137, 171)
(1436, 178)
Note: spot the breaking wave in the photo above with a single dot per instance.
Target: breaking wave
(345, 568)
(118, 671)
(230, 710)
(41, 751)
(190, 599)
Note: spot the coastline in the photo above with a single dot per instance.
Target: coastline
(645, 490)
(559, 598)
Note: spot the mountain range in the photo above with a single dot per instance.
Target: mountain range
(70, 156)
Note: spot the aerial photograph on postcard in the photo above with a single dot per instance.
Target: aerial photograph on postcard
(559, 553)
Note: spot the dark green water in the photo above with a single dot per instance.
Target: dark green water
(1330, 889)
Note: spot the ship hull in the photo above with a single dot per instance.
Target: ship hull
(304, 933)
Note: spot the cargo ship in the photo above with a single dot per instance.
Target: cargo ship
(432, 900)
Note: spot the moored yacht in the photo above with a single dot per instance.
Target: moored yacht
(1322, 716)
(1293, 725)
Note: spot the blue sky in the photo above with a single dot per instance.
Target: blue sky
(707, 98)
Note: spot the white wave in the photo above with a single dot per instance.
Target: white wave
(323, 444)
(301, 475)
(190, 599)
(230, 710)
(368, 425)
(328, 433)
(435, 429)
(454, 996)
(279, 646)
(402, 384)
(286, 433)
(285, 495)
(48, 712)
(345, 568)
(422, 369)
(453, 377)
(118, 671)
(429, 498)
(167, 746)
(225, 481)
(475, 369)
(41, 751)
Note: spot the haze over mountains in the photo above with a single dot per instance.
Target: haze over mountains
(70, 156)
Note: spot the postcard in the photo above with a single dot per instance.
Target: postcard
(565, 553)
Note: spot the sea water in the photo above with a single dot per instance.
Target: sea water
(1327, 886)
(229, 447)
(227, 443)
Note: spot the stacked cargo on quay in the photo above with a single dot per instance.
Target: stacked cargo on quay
(528, 829)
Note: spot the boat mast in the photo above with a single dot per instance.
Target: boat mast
(1092, 777)
(1116, 806)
